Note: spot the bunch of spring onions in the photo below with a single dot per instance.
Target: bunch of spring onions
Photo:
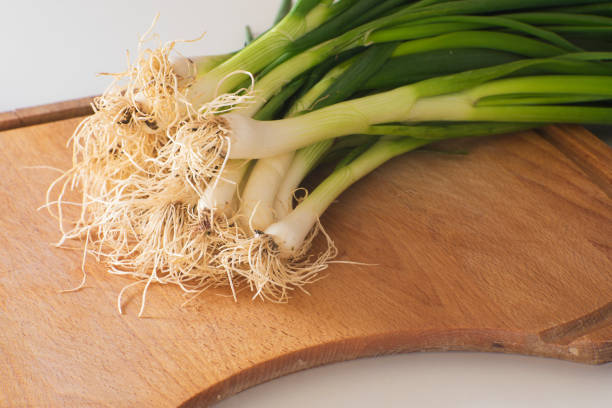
(189, 167)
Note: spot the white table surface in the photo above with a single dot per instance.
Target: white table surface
(51, 51)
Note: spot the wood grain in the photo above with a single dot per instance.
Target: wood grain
(491, 251)
(9, 120)
(567, 332)
(45, 113)
(590, 153)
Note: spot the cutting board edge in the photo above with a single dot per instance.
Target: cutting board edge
(475, 340)
(46, 113)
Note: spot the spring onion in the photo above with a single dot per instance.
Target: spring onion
(189, 166)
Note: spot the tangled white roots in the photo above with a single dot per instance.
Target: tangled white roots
(142, 161)
(257, 260)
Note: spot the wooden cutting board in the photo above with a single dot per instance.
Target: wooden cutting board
(505, 249)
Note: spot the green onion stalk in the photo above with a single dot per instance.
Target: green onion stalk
(417, 30)
(258, 198)
(272, 168)
(400, 70)
(305, 16)
(425, 101)
(365, 34)
(190, 69)
(220, 197)
(306, 158)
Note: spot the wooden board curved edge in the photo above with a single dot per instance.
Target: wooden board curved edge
(497, 341)
(9, 120)
(46, 113)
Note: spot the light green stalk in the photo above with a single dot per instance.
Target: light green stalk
(258, 208)
(252, 139)
(205, 64)
(290, 232)
(304, 17)
(481, 39)
(337, 85)
(508, 92)
(482, 22)
(304, 160)
(310, 98)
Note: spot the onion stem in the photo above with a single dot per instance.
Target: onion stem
(252, 139)
(305, 16)
(291, 232)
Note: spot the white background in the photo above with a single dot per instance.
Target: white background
(51, 51)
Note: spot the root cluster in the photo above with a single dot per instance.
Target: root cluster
(142, 161)
(257, 260)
